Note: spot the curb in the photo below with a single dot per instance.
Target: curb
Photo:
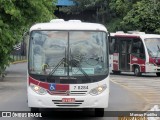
(2, 76)
(20, 61)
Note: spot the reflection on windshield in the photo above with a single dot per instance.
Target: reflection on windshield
(83, 53)
(153, 46)
(88, 49)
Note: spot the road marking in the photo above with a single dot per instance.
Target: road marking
(130, 90)
(146, 87)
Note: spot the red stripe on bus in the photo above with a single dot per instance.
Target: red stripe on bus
(127, 36)
(62, 87)
(44, 85)
(34, 81)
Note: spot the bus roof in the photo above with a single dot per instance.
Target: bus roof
(68, 25)
(135, 35)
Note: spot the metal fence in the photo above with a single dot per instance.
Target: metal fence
(20, 52)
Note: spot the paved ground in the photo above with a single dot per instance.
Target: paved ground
(13, 92)
(146, 86)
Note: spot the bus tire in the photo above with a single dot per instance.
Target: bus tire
(158, 74)
(99, 112)
(34, 110)
(137, 71)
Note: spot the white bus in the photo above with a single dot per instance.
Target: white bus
(68, 66)
(134, 52)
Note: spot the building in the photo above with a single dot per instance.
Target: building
(61, 3)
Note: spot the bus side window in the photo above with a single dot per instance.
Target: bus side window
(138, 48)
(116, 46)
(112, 45)
(129, 47)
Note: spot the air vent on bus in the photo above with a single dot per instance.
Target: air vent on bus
(75, 21)
(120, 32)
(68, 93)
(56, 20)
(74, 104)
(135, 32)
(77, 93)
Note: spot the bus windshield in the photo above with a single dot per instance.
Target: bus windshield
(68, 53)
(153, 46)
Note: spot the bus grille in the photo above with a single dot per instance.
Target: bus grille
(78, 93)
(68, 93)
(74, 104)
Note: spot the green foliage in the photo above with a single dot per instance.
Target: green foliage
(144, 16)
(100, 8)
(114, 26)
(120, 7)
(81, 6)
(15, 17)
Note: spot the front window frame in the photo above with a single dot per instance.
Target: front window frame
(150, 52)
(68, 31)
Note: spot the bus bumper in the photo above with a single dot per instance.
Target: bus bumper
(50, 101)
(153, 69)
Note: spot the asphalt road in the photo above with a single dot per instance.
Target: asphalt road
(146, 86)
(13, 96)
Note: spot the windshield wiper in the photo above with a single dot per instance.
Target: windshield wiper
(62, 61)
(73, 62)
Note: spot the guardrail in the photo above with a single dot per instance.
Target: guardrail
(16, 58)
(19, 52)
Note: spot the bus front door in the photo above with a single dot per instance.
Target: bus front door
(124, 55)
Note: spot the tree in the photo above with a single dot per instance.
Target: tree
(144, 16)
(97, 10)
(15, 17)
(118, 10)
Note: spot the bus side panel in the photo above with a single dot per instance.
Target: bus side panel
(116, 61)
(138, 61)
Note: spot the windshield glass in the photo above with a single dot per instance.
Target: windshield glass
(153, 46)
(68, 53)
(88, 50)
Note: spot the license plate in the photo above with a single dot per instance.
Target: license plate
(68, 100)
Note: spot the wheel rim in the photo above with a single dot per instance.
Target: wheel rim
(136, 71)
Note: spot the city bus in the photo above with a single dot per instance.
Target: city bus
(68, 66)
(134, 52)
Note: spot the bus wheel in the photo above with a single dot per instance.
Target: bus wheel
(99, 112)
(158, 74)
(34, 110)
(137, 71)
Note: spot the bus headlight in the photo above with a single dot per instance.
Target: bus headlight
(39, 90)
(98, 90)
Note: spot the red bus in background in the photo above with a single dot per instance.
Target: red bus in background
(134, 52)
